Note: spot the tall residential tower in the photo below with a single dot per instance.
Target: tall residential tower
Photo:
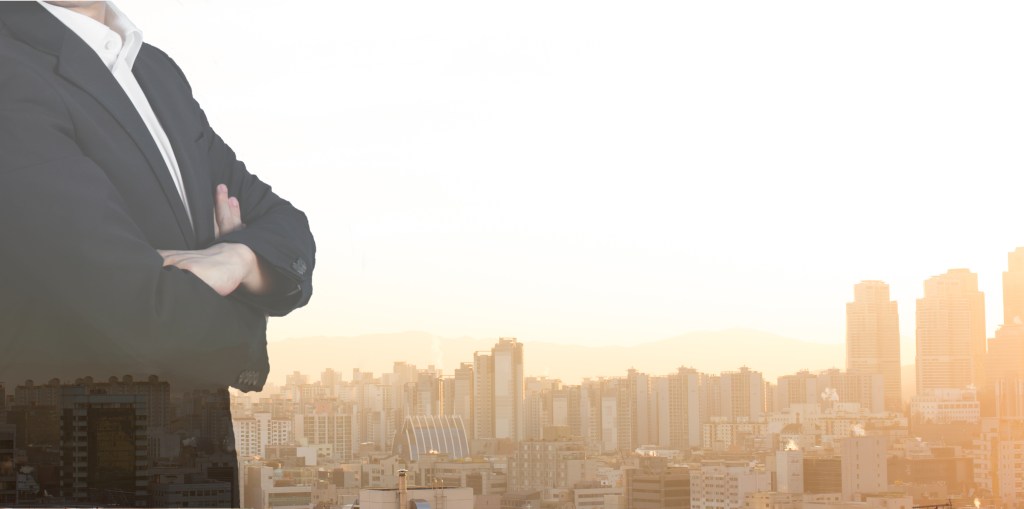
(498, 391)
(950, 332)
(873, 338)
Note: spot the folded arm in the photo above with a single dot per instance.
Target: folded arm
(276, 231)
(228, 266)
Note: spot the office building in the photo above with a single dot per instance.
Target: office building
(726, 484)
(508, 389)
(657, 489)
(742, 394)
(104, 447)
(873, 338)
(254, 433)
(997, 460)
(950, 332)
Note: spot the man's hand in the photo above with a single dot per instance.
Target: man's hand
(223, 267)
(227, 213)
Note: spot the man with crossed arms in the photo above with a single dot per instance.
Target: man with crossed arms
(132, 240)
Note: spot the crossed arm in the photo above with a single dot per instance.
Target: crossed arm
(226, 266)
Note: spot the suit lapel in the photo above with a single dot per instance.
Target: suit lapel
(197, 183)
(80, 65)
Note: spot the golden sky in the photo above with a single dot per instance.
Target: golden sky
(611, 173)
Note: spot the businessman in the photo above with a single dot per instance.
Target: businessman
(132, 240)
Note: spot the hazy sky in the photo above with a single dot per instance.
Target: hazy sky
(614, 173)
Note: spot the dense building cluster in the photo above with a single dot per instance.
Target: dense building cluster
(488, 436)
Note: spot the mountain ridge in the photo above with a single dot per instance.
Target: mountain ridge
(769, 353)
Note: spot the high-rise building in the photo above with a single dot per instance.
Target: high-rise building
(661, 424)
(742, 394)
(643, 420)
(378, 417)
(873, 338)
(537, 406)
(508, 389)
(461, 401)
(609, 420)
(1003, 393)
(591, 407)
(330, 378)
(254, 433)
(997, 466)
(1013, 288)
(330, 430)
(499, 391)
(104, 445)
(684, 410)
(950, 332)
(797, 389)
(483, 395)
(710, 397)
(8, 475)
(867, 390)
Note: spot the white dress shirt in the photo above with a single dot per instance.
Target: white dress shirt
(118, 43)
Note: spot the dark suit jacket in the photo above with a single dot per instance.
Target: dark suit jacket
(85, 202)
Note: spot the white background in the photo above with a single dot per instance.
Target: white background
(613, 173)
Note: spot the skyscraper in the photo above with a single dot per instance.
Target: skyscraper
(461, 401)
(1002, 394)
(684, 409)
(873, 338)
(950, 332)
(742, 394)
(1013, 288)
(104, 438)
(483, 395)
(498, 391)
(508, 389)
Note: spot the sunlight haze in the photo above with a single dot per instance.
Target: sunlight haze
(611, 174)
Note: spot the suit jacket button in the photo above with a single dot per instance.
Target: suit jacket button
(299, 266)
(247, 378)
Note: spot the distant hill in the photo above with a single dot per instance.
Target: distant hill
(710, 352)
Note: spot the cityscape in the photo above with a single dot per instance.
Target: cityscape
(487, 435)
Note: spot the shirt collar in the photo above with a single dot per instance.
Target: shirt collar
(117, 42)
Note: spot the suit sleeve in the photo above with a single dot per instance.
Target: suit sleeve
(66, 235)
(275, 230)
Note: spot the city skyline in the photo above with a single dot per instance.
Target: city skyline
(873, 342)
(810, 438)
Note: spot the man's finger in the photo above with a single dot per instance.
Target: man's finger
(222, 209)
(236, 212)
